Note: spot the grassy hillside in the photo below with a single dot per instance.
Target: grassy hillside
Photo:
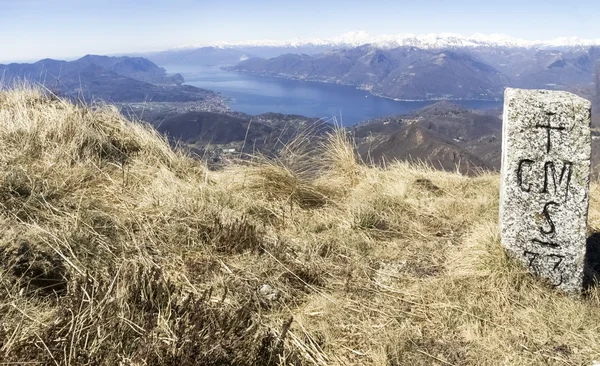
(116, 250)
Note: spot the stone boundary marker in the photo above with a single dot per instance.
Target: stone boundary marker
(546, 148)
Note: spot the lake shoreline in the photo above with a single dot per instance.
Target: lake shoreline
(257, 94)
(359, 87)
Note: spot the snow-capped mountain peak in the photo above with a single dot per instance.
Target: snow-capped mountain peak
(428, 41)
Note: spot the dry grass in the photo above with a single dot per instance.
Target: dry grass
(116, 250)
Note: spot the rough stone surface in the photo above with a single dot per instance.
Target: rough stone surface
(546, 147)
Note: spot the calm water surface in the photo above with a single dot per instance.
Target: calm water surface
(257, 94)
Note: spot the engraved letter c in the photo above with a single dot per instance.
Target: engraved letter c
(522, 164)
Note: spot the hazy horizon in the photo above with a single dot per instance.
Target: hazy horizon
(31, 29)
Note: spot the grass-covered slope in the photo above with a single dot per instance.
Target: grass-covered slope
(116, 250)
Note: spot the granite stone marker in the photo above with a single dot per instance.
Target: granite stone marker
(546, 147)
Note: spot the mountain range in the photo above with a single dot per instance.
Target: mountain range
(230, 53)
(402, 73)
(408, 66)
(115, 79)
(411, 73)
(226, 55)
(427, 41)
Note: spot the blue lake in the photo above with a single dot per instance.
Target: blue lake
(256, 94)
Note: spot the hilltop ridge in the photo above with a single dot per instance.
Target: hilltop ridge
(116, 249)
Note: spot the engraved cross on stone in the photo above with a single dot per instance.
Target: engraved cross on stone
(549, 128)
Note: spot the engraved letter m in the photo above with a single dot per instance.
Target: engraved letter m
(557, 185)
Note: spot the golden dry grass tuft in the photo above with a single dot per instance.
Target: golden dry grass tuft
(114, 249)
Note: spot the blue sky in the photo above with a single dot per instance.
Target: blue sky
(35, 29)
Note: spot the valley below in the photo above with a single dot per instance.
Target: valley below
(450, 118)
